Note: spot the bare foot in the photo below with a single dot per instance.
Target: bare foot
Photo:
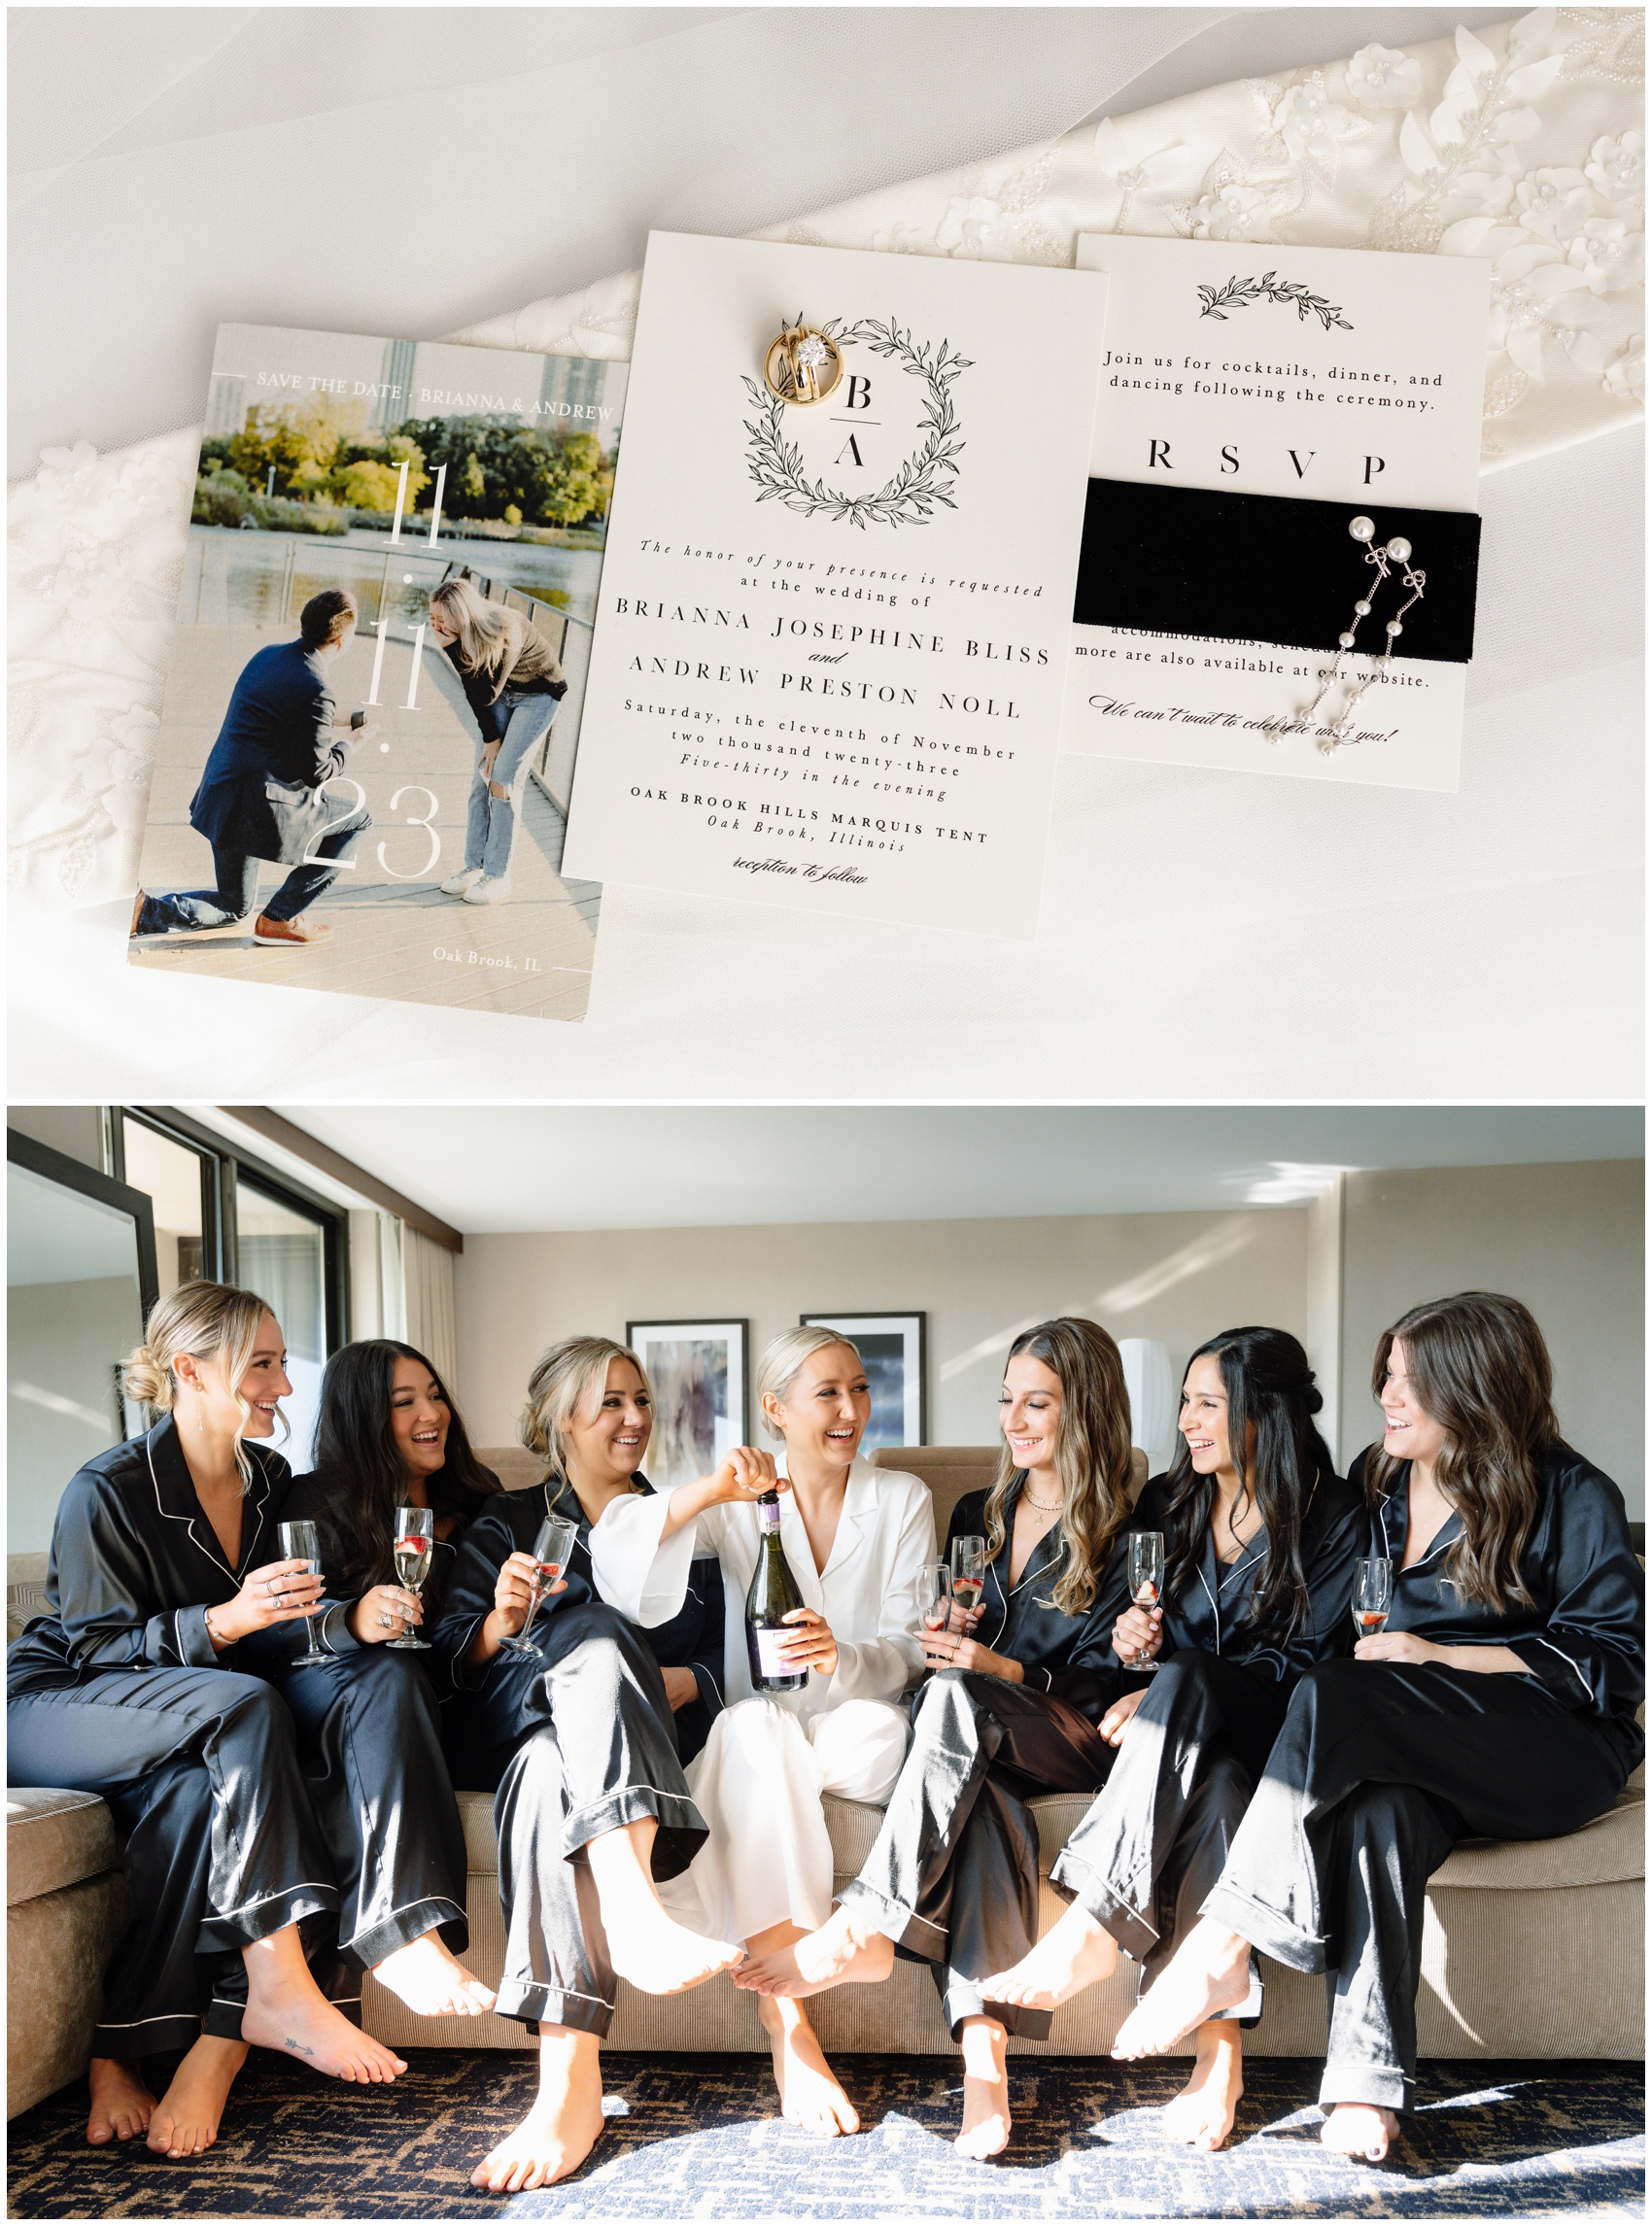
(657, 1954)
(1361, 2129)
(1209, 1972)
(1202, 2114)
(560, 2131)
(298, 2021)
(821, 1957)
(809, 2095)
(985, 2129)
(121, 2102)
(1072, 1955)
(770, 1973)
(187, 2116)
(432, 1981)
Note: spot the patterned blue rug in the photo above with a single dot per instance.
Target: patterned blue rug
(699, 2135)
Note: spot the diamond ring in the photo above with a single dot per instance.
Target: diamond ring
(801, 365)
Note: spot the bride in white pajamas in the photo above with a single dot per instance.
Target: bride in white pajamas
(857, 1539)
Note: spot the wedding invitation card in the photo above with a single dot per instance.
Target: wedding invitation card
(373, 708)
(831, 636)
(1254, 401)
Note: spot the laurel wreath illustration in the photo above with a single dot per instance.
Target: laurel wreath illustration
(1243, 293)
(925, 478)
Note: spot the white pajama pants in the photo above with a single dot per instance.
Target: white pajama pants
(758, 1782)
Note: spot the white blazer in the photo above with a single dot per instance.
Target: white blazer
(868, 1591)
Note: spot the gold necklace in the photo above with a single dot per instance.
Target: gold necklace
(1044, 1506)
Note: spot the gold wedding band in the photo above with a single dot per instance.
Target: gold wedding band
(801, 365)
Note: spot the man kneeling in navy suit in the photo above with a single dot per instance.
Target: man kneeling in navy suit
(261, 796)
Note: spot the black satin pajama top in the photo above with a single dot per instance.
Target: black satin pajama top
(1069, 1656)
(135, 1566)
(508, 1523)
(1583, 1636)
(1214, 1607)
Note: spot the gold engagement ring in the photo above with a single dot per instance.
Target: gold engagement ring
(801, 365)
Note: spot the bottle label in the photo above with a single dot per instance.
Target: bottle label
(769, 1659)
(767, 1515)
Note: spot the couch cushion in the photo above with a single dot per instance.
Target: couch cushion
(55, 1840)
(1613, 1847)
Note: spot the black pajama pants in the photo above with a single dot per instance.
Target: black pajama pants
(369, 1742)
(200, 1769)
(952, 1875)
(1380, 1769)
(578, 1738)
(1157, 1839)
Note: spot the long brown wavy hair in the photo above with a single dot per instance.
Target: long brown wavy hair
(1271, 1391)
(1092, 1452)
(1480, 1368)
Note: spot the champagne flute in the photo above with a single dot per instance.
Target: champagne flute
(1146, 1581)
(1373, 1591)
(415, 1542)
(301, 1542)
(934, 1596)
(551, 1550)
(969, 1571)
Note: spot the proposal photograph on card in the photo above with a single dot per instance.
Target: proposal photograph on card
(378, 674)
(1147, 1724)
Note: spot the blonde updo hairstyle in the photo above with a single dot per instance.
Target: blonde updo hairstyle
(562, 1376)
(209, 1321)
(782, 1358)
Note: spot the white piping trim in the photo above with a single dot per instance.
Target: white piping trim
(222, 1916)
(210, 1552)
(444, 1900)
(1568, 1660)
(571, 1993)
(131, 2024)
(664, 1793)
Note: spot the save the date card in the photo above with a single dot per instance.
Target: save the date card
(373, 708)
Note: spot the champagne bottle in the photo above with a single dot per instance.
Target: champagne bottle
(773, 1595)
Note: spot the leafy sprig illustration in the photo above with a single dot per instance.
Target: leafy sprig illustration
(1243, 292)
(923, 480)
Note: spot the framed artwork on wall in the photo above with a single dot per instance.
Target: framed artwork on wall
(701, 1398)
(895, 1350)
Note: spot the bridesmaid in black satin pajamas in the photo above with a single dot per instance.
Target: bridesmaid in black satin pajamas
(578, 1741)
(1259, 1552)
(1499, 1703)
(147, 1683)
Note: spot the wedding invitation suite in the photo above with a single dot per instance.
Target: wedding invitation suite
(831, 637)
(1254, 401)
(343, 799)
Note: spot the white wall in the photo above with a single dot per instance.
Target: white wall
(1176, 1277)
(1566, 1239)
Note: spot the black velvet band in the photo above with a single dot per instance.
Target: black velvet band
(1271, 567)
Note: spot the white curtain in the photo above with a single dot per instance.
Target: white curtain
(427, 1281)
(1152, 1384)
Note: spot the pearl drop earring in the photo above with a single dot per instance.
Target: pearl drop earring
(1377, 553)
(1400, 549)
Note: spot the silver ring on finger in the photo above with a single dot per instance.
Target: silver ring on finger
(385, 1623)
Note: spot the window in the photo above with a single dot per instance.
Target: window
(222, 1215)
(81, 1274)
(178, 1182)
(280, 1253)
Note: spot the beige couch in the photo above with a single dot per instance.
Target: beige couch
(1530, 1950)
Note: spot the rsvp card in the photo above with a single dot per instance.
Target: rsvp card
(1327, 375)
(831, 639)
